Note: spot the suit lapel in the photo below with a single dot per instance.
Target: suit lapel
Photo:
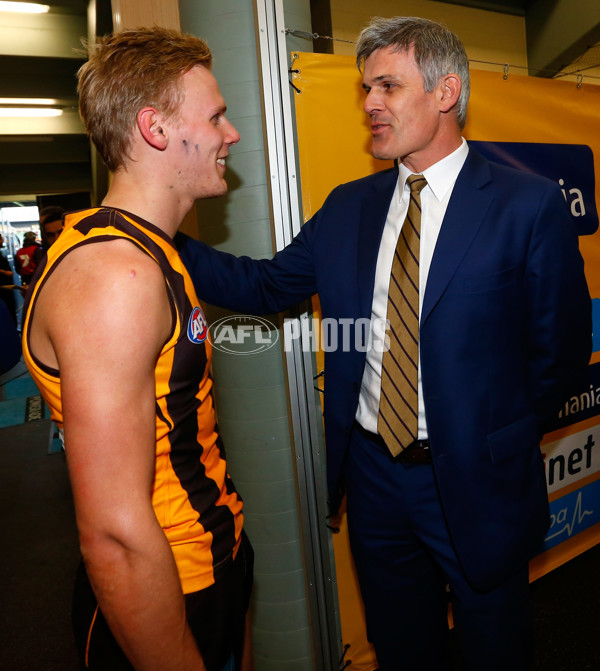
(466, 211)
(372, 219)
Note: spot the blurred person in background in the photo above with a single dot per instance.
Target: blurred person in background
(52, 221)
(25, 257)
(7, 281)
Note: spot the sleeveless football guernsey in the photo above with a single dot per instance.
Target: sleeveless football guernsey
(193, 496)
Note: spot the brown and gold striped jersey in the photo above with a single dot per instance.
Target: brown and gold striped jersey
(193, 496)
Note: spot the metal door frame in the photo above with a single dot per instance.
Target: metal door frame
(305, 411)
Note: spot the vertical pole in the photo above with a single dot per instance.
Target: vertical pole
(306, 421)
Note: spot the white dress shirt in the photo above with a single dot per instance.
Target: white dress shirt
(434, 200)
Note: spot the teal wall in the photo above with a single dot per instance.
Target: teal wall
(251, 391)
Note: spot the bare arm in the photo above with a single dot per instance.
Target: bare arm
(105, 317)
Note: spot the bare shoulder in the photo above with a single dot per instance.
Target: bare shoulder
(114, 270)
(101, 294)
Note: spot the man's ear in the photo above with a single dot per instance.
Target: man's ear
(450, 87)
(149, 122)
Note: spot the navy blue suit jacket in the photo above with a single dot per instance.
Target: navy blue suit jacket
(505, 331)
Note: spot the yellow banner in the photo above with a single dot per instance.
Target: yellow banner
(546, 126)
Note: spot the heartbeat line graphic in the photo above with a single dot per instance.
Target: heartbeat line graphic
(578, 517)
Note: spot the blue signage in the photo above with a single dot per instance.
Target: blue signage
(573, 513)
(571, 166)
(582, 402)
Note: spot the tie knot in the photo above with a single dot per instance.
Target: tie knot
(416, 183)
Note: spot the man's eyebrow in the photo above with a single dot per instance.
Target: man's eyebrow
(380, 78)
(221, 109)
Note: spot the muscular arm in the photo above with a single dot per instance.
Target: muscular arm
(105, 315)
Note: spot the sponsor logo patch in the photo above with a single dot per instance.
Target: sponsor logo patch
(197, 327)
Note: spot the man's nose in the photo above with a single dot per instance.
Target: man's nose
(232, 136)
(372, 102)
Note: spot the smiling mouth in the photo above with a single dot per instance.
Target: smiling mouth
(377, 127)
(221, 161)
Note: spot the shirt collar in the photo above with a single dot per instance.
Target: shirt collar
(441, 175)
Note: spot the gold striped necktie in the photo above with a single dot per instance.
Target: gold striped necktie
(398, 406)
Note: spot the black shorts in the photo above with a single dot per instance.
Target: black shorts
(216, 616)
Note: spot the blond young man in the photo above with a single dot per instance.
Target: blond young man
(116, 340)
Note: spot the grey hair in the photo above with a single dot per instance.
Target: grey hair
(437, 51)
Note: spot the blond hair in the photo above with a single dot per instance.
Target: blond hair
(128, 71)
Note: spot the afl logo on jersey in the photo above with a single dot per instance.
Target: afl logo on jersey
(197, 327)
